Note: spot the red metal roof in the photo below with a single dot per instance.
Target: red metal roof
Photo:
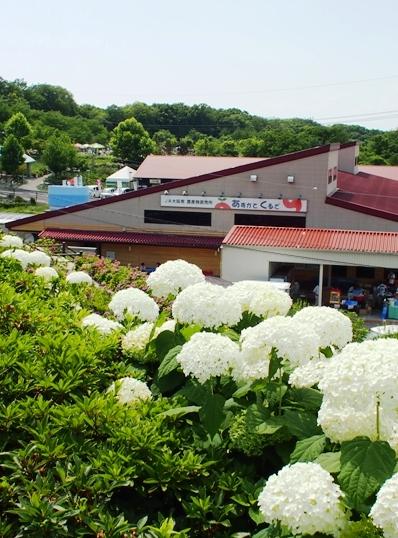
(134, 238)
(367, 193)
(313, 239)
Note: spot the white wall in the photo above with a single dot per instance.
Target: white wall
(347, 158)
(247, 263)
(243, 264)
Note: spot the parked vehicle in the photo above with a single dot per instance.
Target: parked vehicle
(108, 192)
(95, 191)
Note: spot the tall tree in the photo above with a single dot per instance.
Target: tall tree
(11, 155)
(130, 142)
(59, 154)
(19, 126)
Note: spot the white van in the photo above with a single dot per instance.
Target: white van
(95, 191)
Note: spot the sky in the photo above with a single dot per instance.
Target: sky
(334, 62)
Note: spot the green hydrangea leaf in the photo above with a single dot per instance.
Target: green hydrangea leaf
(330, 461)
(301, 423)
(365, 466)
(212, 413)
(308, 449)
(169, 363)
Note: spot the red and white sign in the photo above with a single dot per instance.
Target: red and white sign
(295, 205)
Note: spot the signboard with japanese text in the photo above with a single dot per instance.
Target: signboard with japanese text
(295, 205)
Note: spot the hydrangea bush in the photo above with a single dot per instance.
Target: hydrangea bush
(220, 416)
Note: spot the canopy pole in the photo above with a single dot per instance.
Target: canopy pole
(320, 284)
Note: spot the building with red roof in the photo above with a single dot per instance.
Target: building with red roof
(203, 199)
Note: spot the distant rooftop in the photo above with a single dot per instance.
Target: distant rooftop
(390, 172)
(183, 167)
(10, 217)
(366, 193)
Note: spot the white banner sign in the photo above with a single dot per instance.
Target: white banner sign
(295, 205)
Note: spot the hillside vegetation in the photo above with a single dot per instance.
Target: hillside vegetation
(177, 128)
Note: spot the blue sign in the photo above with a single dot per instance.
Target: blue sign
(60, 196)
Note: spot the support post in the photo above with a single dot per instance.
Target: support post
(320, 284)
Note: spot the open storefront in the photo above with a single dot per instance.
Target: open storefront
(342, 268)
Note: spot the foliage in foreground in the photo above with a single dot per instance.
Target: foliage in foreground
(191, 461)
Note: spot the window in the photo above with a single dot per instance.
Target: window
(335, 173)
(356, 160)
(269, 220)
(329, 175)
(193, 218)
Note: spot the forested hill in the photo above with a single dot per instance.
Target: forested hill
(198, 129)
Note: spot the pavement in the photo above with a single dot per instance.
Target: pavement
(28, 190)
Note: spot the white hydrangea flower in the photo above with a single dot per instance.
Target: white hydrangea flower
(11, 241)
(261, 298)
(293, 342)
(128, 390)
(207, 355)
(79, 277)
(355, 383)
(20, 255)
(38, 257)
(59, 260)
(135, 302)
(168, 325)
(385, 510)
(103, 325)
(48, 273)
(173, 276)
(304, 498)
(333, 327)
(207, 305)
(309, 374)
(137, 339)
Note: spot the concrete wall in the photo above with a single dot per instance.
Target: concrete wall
(347, 159)
(310, 183)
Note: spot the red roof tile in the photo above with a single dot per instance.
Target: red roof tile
(366, 193)
(134, 238)
(313, 239)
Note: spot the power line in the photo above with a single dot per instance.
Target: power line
(271, 90)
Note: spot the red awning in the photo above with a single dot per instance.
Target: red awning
(134, 238)
(313, 239)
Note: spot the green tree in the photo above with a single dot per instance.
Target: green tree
(250, 147)
(185, 145)
(130, 142)
(229, 148)
(19, 126)
(59, 154)
(165, 141)
(11, 155)
(206, 146)
(48, 97)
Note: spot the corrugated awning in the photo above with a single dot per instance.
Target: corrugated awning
(134, 238)
(314, 239)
